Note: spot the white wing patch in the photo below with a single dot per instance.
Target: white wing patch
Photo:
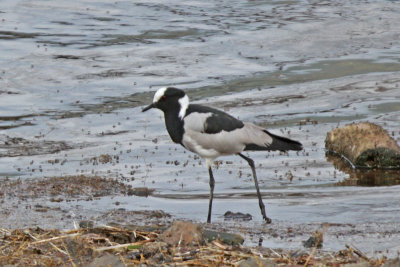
(196, 121)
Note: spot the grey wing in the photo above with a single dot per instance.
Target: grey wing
(211, 120)
(210, 135)
(204, 136)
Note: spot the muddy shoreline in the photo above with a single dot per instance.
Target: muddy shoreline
(56, 203)
(183, 243)
(53, 180)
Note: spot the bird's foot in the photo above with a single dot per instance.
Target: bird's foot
(267, 220)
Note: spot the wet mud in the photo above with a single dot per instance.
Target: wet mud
(17, 146)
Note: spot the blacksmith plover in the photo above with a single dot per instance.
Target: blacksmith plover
(211, 133)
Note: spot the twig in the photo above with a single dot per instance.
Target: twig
(5, 231)
(54, 246)
(234, 254)
(310, 256)
(219, 245)
(357, 252)
(191, 262)
(52, 239)
(187, 253)
(123, 245)
(276, 253)
(8, 243)
(69, 255)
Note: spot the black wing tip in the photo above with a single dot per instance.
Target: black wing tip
(283, 143)
(296, 146)
(279, 143)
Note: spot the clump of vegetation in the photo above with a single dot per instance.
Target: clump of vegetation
(365, 145)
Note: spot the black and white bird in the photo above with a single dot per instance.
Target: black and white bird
(211, 133)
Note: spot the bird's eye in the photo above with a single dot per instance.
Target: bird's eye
(163, 98)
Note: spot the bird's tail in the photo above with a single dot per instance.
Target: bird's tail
(278, 143)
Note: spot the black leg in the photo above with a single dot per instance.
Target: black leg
(260, 202)
(212, 182)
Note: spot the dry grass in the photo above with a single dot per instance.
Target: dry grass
(38, 247)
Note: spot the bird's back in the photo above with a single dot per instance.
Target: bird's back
(213, 120)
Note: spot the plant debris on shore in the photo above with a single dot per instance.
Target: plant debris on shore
(117, 246)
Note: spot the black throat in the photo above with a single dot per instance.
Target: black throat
(174, 125)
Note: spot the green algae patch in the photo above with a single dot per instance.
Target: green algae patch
(381, 157)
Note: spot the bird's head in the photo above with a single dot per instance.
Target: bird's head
(170, 99)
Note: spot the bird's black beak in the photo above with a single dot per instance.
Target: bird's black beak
(148, 107)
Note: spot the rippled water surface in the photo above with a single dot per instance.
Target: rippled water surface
(75, 74)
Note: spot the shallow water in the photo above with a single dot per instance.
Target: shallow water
(74, 75)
